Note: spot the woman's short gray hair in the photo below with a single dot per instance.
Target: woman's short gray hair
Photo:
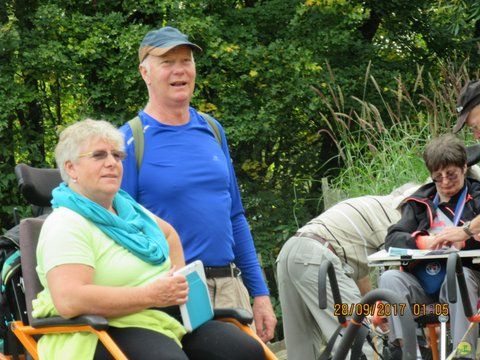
(443, 151)
(75, 136)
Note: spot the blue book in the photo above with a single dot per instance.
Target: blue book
(198, 308)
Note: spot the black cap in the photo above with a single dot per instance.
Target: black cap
(469, 98)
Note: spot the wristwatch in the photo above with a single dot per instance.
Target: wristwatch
(466, 228)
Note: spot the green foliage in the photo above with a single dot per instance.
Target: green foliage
(380, 152)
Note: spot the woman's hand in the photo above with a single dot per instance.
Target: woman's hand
(169, 290)
(426, 242)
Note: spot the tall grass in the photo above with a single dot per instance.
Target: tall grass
(380, 145)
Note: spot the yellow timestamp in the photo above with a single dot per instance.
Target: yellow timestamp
(437, 309)
(378, 309)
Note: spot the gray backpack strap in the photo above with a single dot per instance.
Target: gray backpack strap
(138, 138)
(213, 127)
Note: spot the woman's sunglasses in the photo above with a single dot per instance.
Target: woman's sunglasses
(449, 177)
(103, 154)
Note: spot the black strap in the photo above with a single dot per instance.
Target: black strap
(327, 353)
(356, 351)
(221, 272)
(372, 345)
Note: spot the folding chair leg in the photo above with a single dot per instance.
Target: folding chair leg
(433, 340)
(110, 345)
(27, 341)
(24, 334)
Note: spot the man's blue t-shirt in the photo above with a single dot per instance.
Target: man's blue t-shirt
(187, 179)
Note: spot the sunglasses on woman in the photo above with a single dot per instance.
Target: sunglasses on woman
(103, 154)
(450, 177)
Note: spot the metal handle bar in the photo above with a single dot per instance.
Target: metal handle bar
(326, 268)
(455, 274)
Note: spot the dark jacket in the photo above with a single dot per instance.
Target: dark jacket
(418, 213)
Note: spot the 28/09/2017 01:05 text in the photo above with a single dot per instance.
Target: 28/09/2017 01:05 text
(386, 309)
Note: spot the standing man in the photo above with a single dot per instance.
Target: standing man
(186, 176)
(344, 234)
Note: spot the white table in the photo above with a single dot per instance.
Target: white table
(381, 258)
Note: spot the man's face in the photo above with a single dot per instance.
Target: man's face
(473, 121)
(171, 78)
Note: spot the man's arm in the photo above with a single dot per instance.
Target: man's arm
(364, 285)
(246, 258)
(264, 317)
(475, 225)
(474, 172)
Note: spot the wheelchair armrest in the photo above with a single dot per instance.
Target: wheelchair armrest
(95, 321)
(241, 315)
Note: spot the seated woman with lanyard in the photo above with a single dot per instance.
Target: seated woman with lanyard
(449, 200)
(100, 252)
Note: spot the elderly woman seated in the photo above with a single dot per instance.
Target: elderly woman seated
(436, 215)
(101, 253)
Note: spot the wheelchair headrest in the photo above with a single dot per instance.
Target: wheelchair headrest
(36, 184)
(473, 154)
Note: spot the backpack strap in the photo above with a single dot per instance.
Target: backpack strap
(138, 138)
(212, 124)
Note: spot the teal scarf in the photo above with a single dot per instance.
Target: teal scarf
(132, 228)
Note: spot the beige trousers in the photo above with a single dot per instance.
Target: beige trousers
(229, 292)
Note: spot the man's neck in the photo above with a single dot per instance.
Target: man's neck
(168, 115)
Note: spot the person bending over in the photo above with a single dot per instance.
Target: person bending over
(345, 234)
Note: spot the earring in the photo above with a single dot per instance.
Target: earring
(74, 180)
